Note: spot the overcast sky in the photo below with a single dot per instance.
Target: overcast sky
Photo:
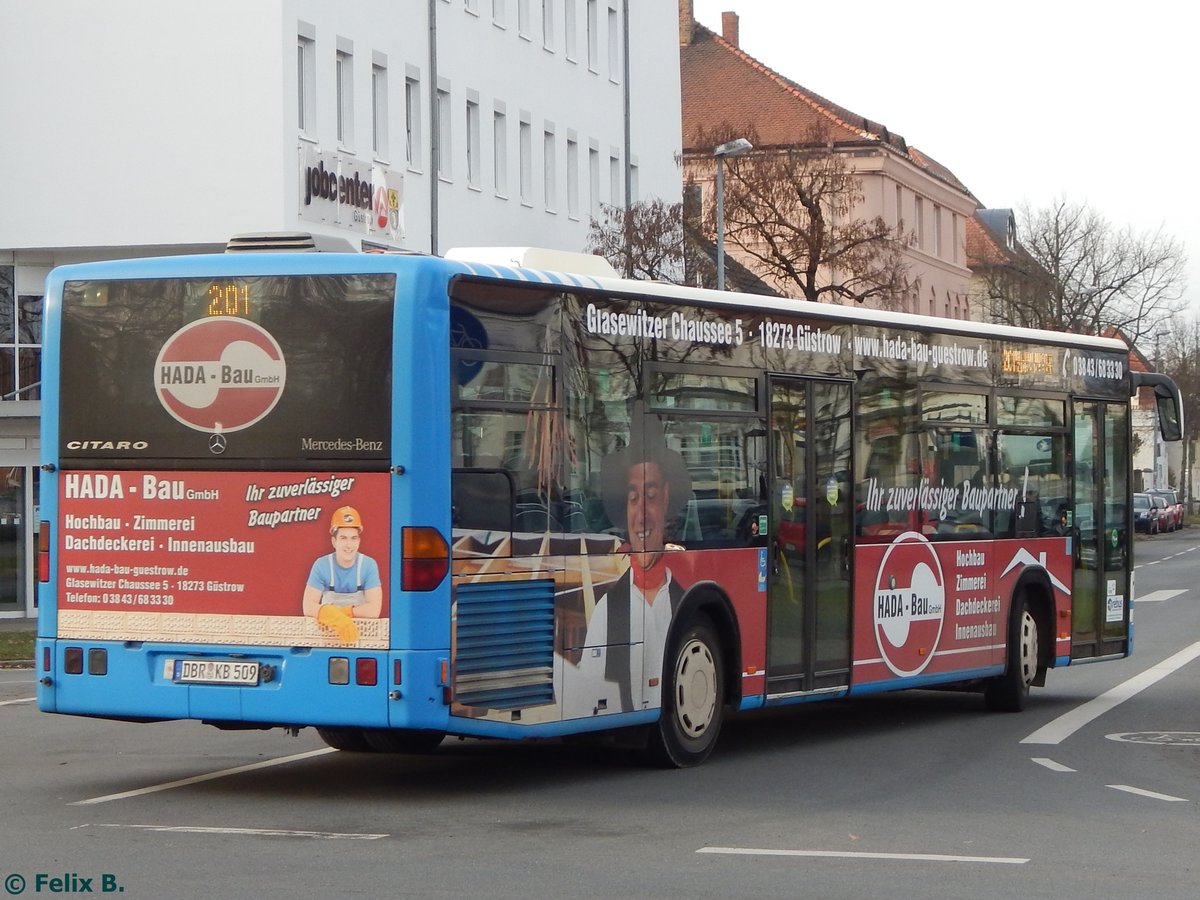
(1024, 101)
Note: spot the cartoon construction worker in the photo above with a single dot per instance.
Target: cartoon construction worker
(344, 585)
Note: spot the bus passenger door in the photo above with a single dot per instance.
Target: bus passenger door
(1100, 593)
(809, 531)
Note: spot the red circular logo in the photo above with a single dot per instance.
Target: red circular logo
(909, 604)
(218, 375)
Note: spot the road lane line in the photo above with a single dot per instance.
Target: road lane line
(1159, 596)
(1068, 723)
(21, 700)
(839, 854)
(196, 779)
(1153, 795)
(1051, 764)
(265, 832)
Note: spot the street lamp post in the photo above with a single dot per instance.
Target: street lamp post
(736, 147)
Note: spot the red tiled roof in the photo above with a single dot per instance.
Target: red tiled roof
(723, 86)
(982, 246)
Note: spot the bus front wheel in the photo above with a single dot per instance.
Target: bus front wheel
(693, 698)
(1008, 692)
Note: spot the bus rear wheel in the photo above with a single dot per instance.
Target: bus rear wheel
(693, 698)
(403, 740)
(1008, 692)
(352, 740)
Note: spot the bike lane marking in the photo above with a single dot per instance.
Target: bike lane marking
(196, 779)
(1069, 722)
(264, 832)
(839, 854)
(1153, 795)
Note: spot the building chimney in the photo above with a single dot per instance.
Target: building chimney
(687, 22)
(729, 27)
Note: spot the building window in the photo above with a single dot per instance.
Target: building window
(379, 111)
(937, 231)
(593, 35)
(473, 141)
(20, 341)
(570, 26)
(344, 76)
(614, 46)
(920, 223)
(500, 152)
(443, 131)
(548, 24)
(499, 14)
(306, 85)
(412, 120)
(523, 18)
(899, 206)
(572, 178)
(614, 180)
(549, 170)
(526, 151)
(594, 181)
(954, 236)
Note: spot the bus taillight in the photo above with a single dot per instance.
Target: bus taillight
(426, 558)
(43, 551)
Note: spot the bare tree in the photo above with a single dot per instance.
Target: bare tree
(645, 241)
(1094, 276)
(795, 212)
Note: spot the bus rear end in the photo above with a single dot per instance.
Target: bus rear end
(227, 535)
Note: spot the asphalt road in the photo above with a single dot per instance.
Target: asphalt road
(1092, 792)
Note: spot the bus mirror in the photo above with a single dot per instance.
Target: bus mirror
(1170, 416)
(1167, 400)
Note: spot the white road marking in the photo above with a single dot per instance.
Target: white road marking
(21, 700)
(1052, 765)
(264, 832)
(1159, 596)
(196, 779)
(1068, 723)
(840, 854)
(1153, 795)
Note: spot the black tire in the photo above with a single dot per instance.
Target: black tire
(352, 740)
(1010, 691)
(693, 698)
(403, 740)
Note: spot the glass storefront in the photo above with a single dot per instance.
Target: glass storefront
(18, 500)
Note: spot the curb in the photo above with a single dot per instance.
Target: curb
(16, 663)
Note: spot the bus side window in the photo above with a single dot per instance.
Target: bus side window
(482, 499)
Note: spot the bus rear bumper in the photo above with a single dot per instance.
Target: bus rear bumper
(292, 686)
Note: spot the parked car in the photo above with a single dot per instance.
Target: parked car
(1174, 508)
(1145, 514)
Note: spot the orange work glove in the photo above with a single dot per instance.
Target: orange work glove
(337, 618)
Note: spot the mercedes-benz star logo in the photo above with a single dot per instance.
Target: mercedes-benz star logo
(216, 444)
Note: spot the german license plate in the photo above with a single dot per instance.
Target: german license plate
(215, 671)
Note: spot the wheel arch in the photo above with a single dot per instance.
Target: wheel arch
(709, 598)
(1034, 587)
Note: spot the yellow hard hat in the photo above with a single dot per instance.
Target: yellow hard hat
(345, 517)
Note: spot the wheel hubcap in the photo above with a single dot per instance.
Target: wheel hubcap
(1029, 648)
(695, 688)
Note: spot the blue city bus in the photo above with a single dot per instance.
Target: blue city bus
(395, 497)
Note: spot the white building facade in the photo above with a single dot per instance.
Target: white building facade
(136, 128)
